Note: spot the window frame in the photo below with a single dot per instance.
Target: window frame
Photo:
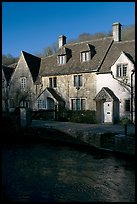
(41, 104)
(11, 103)
(121, 70)
(61, 59)
(52, 82)
(78, 81)
(23, 83)
(78, 104)
(85, 56)
(127, 105)
(25, 103)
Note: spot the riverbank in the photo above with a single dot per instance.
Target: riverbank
(107, 137)
(53, 172)
(95, 137)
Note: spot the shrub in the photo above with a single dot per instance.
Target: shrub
(82, 116)
(124, 120)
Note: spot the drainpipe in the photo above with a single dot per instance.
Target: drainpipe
(7, 98)
(119, 80)
(131, 86)
(132, 95)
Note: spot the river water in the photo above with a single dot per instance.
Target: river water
(56, 173)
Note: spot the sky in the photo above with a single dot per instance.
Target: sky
(33, 26)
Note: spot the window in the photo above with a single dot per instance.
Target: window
(77, 81)
(3, 83)
(41, 104)
(83, 104)
(12, 104)
(85, 56)
(24, 103)
(53, 82)
(78, 104)
(127, 105)
(23, 81)
(121, 70)
(61, 59)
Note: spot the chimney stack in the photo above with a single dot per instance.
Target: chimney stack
(117, 31)
(62, 40)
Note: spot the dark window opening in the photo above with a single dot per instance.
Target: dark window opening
(127, 105)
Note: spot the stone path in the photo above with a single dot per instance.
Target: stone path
(95, 128)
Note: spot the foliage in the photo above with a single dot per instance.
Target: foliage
(124, 120)
(128, 33)
(82, 116)
(8, 59)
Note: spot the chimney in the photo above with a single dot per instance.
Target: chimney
(62, 40)
(117, 31)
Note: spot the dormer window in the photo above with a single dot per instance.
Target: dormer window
(61, 59)
(121, 70)
(85, 56)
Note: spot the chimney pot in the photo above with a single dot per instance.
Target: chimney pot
(62, 40)
(117, 31)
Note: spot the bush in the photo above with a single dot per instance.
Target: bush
(82, 116)
(124, 120)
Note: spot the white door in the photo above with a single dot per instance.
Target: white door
(108, 112)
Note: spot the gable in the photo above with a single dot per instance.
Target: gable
(50, 92)
(126, 47)
(122, 61)
(106, 94)
(123, 58)
(7, 72)
(33, 63)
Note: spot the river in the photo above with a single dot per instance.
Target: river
(49, 172)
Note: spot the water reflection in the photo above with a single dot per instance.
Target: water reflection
(50, 173)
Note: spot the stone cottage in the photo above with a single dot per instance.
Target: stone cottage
(97, 75)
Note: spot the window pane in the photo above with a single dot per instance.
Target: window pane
(127, 105)
(77, 104)
(73, 104)
(12, 105)
(83, 57)
(83, 104)
(79, 80)
(39, 104)
(62, 59)
(124, 70)
(23, 82)
(50, 82)
(43, 104)
(55, 81)
(119, 71)
(87, 56)
(75, 81)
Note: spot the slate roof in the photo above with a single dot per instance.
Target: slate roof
(106, 94)
(8, 71)
(128, 47)
(105, 52)
(33, 63)
(55, 95)
(50, 67)
(13, 65)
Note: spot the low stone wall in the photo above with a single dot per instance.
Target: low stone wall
(124, 144)
(112, 142)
